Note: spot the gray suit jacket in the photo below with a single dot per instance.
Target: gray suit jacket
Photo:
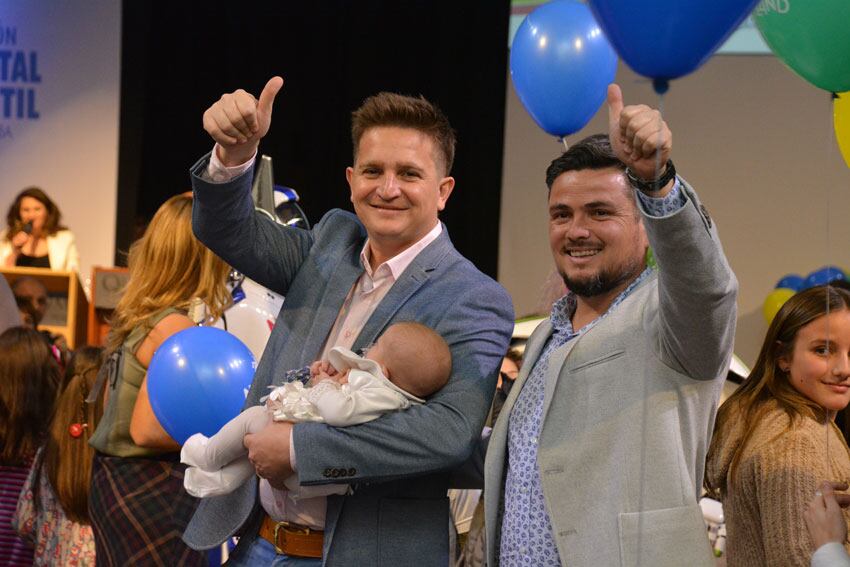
(629, 409)
(399, 463)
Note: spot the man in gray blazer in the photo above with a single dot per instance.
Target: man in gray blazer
(345, 281)
(598, 455)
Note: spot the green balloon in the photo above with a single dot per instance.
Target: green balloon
(810, 36)
(650, 259)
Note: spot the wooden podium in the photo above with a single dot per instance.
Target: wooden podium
(107, 286)
(67, 304)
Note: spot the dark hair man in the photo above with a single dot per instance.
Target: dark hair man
(599, 459)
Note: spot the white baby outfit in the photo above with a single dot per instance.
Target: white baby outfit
(219, 464)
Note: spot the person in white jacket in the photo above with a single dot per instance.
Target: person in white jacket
(408, 363)
(35, 237)
(826, 525)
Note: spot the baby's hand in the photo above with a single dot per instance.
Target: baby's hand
(322, 366)
(322, 376)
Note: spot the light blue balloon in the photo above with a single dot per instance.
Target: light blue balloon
(666, 39)
(198, 380)
(561, 66)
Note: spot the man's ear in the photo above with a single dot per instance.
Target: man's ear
(447, 184)
(349, 173)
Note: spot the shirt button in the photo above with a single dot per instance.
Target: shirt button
(523, 550)
(347, 334)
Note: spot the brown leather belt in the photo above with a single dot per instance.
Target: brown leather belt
(292, 539)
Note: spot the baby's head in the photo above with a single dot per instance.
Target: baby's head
(413, 357)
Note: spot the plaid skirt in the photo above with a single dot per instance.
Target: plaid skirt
(139, 510)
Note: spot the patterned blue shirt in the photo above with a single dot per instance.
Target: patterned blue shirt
(526, 537)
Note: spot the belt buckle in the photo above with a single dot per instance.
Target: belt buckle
(287, 526)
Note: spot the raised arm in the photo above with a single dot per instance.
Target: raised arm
(223, 215)
(697, 289)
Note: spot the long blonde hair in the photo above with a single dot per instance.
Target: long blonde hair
(767, 382)
(168, 268)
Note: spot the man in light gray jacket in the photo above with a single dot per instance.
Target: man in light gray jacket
(598, 455)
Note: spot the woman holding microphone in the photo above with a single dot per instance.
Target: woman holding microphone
(34, 235)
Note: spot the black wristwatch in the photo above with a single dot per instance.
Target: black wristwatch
(652, 185)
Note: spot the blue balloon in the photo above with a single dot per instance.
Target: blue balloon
(198, 380)
(666, 39)
(823, 276)
(791, 281)
(561, 66)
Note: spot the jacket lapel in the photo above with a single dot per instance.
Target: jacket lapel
(408, 283)
(532, 351)
(495, 461)
(499, 438)
(347, 270)
(553, 373)
(416, 274)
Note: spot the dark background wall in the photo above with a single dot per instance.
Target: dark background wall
(179, 57)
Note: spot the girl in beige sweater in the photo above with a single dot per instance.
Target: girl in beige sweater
(775, 441)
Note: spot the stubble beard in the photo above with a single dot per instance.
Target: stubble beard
(605, 280)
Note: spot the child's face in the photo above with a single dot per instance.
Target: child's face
(819, 364)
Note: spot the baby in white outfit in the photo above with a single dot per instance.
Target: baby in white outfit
(408, 362)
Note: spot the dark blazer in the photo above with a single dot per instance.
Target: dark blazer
(399, 463)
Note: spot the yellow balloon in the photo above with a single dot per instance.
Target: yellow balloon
(841, 119)
(775, 300)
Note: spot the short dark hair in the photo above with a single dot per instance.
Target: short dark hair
(417, 113)
(593, 152)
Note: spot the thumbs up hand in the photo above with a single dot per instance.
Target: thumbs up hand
(238, 121)
(639, 136)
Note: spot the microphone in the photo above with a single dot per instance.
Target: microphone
(27, 228)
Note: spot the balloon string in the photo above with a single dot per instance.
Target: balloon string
(829, 378)
(646, 392)
(563, 140)
(658, 163)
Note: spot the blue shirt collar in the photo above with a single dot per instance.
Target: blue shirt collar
(564, 309)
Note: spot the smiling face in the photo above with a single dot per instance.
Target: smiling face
(33, 210)
(596, 236)
(397, 188)
(818, 365)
